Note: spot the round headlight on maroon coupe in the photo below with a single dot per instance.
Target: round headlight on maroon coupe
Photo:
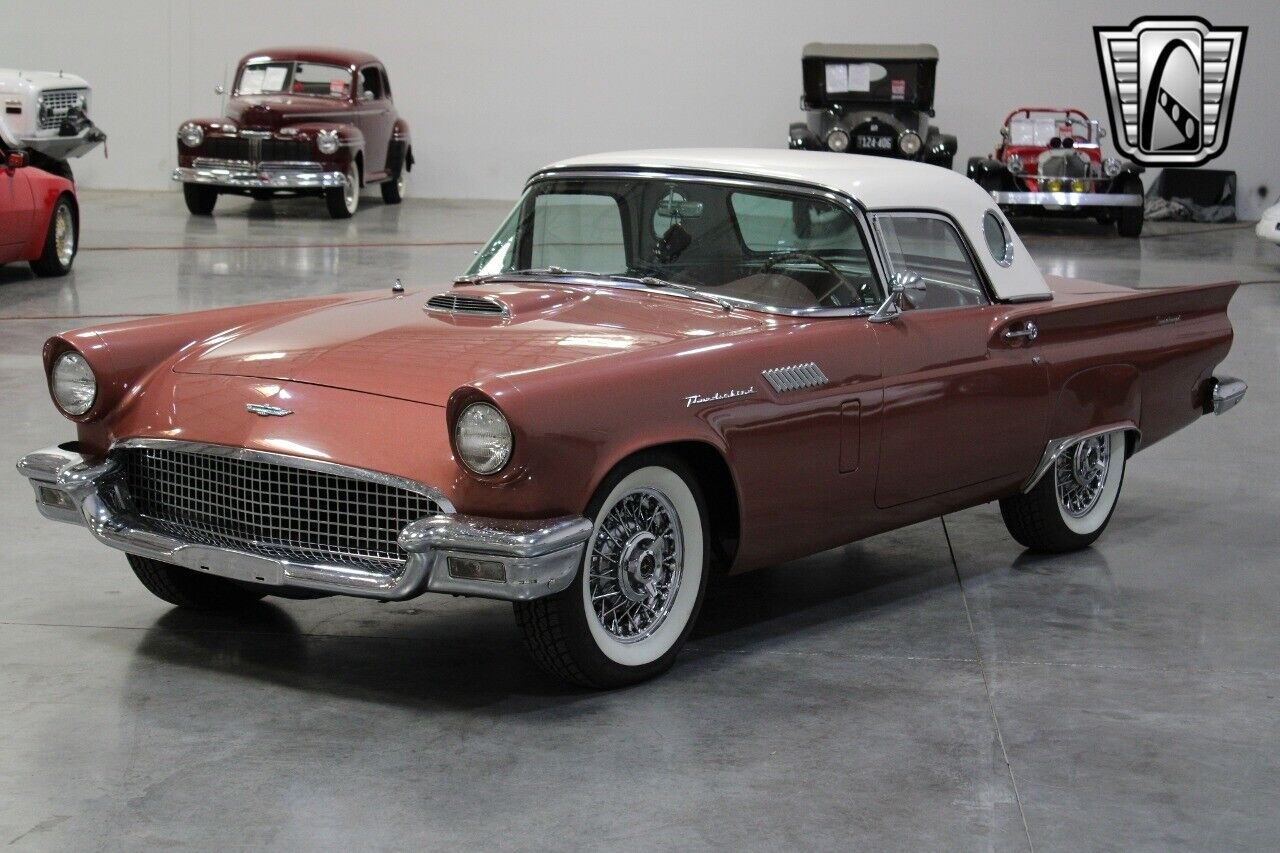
(73, 384)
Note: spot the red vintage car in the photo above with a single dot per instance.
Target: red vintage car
(39, 216)
(1049, 162)
(301, 121)
(664, 366)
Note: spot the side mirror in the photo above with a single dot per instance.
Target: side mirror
(17, 160)
(219, 90)
(901, 283)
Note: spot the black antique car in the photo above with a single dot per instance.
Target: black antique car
(872, 99)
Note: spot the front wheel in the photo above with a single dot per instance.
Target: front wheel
(639, 589)
(1129, 219)
(60, 241)
(190, 589)
(200, 199)
(1072, 503)
(343, 201)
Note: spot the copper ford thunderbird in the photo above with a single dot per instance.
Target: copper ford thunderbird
(664, 366)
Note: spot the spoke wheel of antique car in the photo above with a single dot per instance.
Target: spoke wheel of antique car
(190, 589)
(199, 198)
(344, 200)
(1129, 220)
(1072, 503)
(639, 590)
(60, 243)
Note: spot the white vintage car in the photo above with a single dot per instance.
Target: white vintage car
(47, 114)
(1268, 227)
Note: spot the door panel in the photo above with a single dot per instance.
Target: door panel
(962, 403)
(17, 209)
(375, 118)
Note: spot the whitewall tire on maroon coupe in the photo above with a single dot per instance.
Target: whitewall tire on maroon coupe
(638, 591)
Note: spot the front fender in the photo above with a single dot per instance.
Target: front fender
(351, 142)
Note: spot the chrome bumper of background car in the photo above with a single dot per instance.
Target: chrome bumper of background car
(1051, 200)
(264, 176)
(463, 555)
(1224, 393)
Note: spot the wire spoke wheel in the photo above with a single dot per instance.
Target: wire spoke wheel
(1080, 475)
(64, 235)
(635, 565)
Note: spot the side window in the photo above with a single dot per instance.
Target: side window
(578, 232)
(930, 247)
(370, 84)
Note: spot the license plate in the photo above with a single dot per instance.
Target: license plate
(881, 143)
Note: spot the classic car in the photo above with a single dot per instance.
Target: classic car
(39, 215)
(1049, 162)
(1268, 227)
(46, 114)
(664, 366)
(300, 121)
(871, 99)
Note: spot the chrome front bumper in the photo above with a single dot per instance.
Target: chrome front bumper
(1061, 200)
(264, 176)
(458, 554)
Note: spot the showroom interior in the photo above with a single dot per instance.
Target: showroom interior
(934, 686)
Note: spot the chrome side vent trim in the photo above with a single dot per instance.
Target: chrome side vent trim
(797, 377)
(453, 303)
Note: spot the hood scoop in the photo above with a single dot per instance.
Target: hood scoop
(473, 306)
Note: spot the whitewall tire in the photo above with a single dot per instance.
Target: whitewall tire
(640, 585)
(1072, 503)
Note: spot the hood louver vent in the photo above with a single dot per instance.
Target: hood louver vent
(453, 303)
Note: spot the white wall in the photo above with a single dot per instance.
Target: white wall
(493, 90)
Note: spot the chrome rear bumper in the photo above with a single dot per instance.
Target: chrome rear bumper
(1224, 393)
(1059, 200)
(458, 554)
(261, 177)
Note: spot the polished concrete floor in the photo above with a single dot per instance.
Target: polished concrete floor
(933, 688)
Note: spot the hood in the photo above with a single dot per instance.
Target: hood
(270, 112)
(15, 81)
(394, 346)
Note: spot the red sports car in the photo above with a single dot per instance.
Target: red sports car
(39, 216)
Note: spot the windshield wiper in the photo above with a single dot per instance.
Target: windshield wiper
(653, 281)
(644, 281)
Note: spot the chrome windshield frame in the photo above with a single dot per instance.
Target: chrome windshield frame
(836, 197)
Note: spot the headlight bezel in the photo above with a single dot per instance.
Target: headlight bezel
(1112, 167)
(905, 143)
(327, 141)
(838, 133)
(79, 404)
(499, 428)
(1014, 164)
(191, 135)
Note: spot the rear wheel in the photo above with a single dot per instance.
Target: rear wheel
(1129, 220)
(190, 589)
(393, 188)
(200, 198)
(60, 241)
(343, 201)
(1072, 503)
(640, 587)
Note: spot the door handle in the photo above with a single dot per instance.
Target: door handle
(1028, 331)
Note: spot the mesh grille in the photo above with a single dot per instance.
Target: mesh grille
(271, 509)
(56, 104)
(256, 150)
(453, 303)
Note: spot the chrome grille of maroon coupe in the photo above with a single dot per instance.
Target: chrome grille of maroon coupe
(271, 509)
(257, 150)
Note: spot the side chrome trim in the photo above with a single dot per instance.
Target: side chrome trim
(1225, 393)
(510, 560)
(1052, 200)
(1056, 447)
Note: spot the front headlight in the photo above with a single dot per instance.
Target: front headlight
(838, 140)
(327, 141)
(1111, 167)
(73, 383)
(909, 143)
(1014, 164)
(482, 437)
(191, 134)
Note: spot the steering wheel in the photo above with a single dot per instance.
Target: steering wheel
(841, 281)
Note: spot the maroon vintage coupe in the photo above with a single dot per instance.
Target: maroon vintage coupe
(301, 121)
(664, 366)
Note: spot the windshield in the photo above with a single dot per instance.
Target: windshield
(760, 248)
(294, 78)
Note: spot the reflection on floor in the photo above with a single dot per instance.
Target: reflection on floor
(864, 698)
